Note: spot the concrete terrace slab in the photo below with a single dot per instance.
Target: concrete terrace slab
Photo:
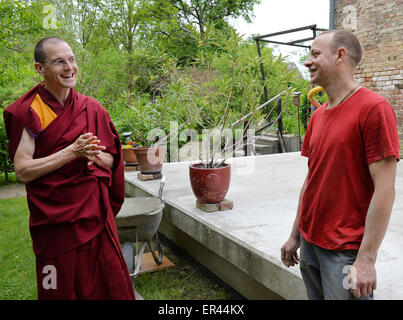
(242, 245)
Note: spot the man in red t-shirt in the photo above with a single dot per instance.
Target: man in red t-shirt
(346, 200)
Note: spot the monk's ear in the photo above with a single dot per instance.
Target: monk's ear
(39, 68)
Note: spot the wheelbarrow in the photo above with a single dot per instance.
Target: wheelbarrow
(138, 221)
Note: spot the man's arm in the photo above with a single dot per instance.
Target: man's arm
(289, 254)
(28, 169)
(363, 273)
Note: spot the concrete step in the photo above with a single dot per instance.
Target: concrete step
(266, 149)
(266, 144)
(268, 140)
(290, 141)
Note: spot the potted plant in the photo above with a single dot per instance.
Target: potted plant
(230, 102)
(150, 114)
(128, 152)
(150, 154)
(150, 158)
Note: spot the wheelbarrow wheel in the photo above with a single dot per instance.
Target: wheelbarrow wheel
(128, 255)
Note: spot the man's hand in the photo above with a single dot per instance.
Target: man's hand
(362, 278)
(87, 146)
(104, 159)
(289, 254)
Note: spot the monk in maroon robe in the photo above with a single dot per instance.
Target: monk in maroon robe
(66, 150)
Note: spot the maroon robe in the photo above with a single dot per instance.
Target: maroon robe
(71, 205)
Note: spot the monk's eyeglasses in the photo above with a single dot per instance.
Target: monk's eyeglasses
(63, 62)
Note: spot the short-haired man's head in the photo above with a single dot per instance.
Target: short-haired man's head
(39, 51)
(347, 40)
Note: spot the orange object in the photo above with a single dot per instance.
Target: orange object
(45, 113)
(312, 99)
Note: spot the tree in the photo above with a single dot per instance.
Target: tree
(169, 24)
(123, 18)
(203, 12)
(18, 18)
(19, 21)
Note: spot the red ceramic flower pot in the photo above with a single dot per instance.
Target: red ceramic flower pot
(150, 159)
(129, 156)
(210, 185)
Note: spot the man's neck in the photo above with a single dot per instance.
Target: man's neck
(61, 95)
(340, 91)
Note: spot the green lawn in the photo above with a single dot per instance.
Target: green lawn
(17, 265)
(17, 260)
(185, 281)
(11, 178)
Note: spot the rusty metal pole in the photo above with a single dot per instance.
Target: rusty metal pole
(296, 101)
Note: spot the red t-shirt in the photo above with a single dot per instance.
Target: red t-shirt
(340, 143)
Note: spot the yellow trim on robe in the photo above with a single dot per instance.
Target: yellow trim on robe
(44, 112)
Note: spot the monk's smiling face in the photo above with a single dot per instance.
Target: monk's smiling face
(59, 68)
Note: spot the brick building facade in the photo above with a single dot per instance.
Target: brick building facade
(379, 27)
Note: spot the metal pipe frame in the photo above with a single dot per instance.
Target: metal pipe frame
(294, 43)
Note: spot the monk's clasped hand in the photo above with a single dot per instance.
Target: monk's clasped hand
(87, 146)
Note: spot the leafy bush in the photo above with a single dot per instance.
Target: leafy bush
(5, 162)
(221, 85)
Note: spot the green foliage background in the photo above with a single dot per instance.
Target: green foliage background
(149, 62)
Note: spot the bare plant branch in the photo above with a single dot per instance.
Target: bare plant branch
(260, 107)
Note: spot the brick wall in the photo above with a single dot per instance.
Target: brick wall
(378, 24)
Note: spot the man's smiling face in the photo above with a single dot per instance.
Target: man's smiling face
(321, 61)
(60, 68)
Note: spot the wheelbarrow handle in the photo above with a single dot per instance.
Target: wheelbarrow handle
(162, 183)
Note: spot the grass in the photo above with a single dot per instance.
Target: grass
(17, 260)
(185, 281)
(12, 179)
